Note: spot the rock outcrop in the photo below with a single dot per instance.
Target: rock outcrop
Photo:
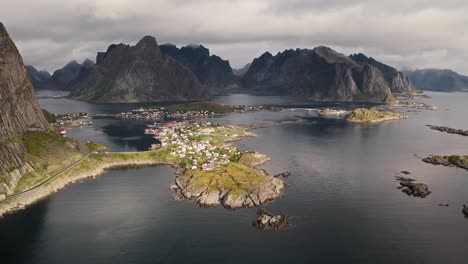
(438, 80)
(396, 80)
(321, 73)
(410, 187)
(140, 73)
(19, 113)
(268, 221)
(211, 70)
(465, 211)
(186, 187)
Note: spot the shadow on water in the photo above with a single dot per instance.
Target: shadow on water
(25, 238)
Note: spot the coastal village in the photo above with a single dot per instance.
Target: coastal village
(195, 143)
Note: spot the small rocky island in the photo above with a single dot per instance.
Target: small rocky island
(410, 187)
(448, 161)
(449, 130)
(268, 221)
(366, 115)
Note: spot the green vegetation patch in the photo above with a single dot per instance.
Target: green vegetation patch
(372, 115)
(232, 176)
(51, 118)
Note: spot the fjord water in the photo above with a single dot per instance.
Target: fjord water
(342, 197)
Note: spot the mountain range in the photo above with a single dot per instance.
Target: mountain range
(438, 80)
(152, 72)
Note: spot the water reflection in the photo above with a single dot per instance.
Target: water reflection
(342, 198)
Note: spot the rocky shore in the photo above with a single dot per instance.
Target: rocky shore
(449, 130)
(75, 174)
(233, 187)
(448, 161)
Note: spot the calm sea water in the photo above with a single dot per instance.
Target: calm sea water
(342, 197)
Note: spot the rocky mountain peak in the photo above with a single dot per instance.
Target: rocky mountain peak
(19, 113)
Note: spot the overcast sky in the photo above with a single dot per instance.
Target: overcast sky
(402, 33)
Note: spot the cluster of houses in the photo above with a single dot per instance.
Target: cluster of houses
(162, 114)
(190, 142)
(74, 119)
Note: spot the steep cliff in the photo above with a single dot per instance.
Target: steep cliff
(19, 113)
(211, 70)
(140, 73)
(398, 82)
(321, 73)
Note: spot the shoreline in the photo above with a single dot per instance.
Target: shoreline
(25, 199)
(96, 164)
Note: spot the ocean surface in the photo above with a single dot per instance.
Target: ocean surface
(341, 198)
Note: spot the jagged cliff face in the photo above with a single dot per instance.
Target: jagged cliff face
(438, 80)
(19, 113)
(140, 73)
(211, 70)
(398, 82)
(320, 73)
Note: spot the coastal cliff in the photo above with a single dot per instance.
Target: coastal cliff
(140, 73)
(19, 113)
(397, 81)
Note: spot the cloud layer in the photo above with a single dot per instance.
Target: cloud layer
(414, 34)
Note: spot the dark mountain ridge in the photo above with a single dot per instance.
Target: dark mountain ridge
(210, 70)
(320, 73)
(140, 73)
(398, 82)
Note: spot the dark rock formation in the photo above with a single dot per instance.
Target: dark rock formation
(38, 78)
(211, 70)
(285, 174)
(61, 79)
(438, 80)
(321, 73)
(268, 221)
(19, 113)
(397, 81)
(140, 73)
(465, 211)
(242, 71)
(65, 78)
(415, 189)
(449, 130)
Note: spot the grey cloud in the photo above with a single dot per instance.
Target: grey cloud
(417, 34)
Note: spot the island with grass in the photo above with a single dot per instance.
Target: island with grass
(366, 115)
